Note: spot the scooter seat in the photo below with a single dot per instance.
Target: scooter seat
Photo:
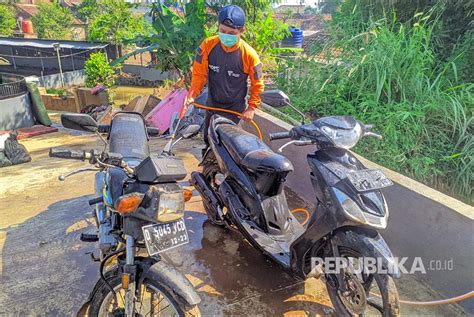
(248, 150)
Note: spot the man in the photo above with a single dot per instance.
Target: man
(225, 62)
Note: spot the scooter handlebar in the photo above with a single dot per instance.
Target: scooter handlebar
(280, 135)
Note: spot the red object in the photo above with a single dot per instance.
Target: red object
(24, 133)
(27, 26)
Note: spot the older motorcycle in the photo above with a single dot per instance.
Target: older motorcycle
(139, 209)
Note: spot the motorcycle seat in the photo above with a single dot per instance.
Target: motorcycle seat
(248, 150)
(128, 136)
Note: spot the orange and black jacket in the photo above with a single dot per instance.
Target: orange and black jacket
(226, 71)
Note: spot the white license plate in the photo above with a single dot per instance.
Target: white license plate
(165, 236)
(366, 180)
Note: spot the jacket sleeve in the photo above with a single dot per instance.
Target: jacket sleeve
(199, 73)
(256, 79)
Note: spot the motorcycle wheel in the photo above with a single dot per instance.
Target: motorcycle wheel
(156, 300)
(379, 299)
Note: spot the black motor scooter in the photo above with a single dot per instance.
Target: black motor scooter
(242, 186)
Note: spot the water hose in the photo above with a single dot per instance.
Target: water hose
(407, 302)
(257, 128)
(435, 302)
(306, 212)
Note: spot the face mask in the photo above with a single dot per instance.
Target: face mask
(228, 40)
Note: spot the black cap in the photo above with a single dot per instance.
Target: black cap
(232, 16)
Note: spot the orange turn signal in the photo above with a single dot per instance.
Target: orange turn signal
(128, 203)
(188, 194)
(125, 280)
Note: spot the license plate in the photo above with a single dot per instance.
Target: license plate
(165, 236)
(365, 180)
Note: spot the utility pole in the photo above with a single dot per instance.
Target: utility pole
(57, 47)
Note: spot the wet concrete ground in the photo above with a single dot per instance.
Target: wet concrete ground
(44, 268)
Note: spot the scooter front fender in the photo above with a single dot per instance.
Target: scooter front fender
(370, 244)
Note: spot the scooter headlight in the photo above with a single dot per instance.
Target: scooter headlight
(341, 138)
(354, 212)
(350, 207)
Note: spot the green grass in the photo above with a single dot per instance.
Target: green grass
(390, 76)
(56, 91)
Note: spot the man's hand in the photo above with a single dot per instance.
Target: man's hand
(248, 114)
(187, 101)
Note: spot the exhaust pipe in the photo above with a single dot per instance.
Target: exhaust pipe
(211, 202)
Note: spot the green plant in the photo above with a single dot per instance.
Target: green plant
(99, 71)
(264, 34)
(252, 8)
(113, 21)
(176, 36)
(56, 91)
(53, 21)
(389, 75)
(7, 20)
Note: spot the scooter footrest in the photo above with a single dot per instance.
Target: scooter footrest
(86, 237)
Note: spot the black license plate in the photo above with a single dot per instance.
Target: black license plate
(365, 180)
(165, 236)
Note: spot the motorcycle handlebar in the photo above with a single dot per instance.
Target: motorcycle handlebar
(280, 135)
(69, 154)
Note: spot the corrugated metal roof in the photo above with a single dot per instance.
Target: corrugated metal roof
(82, 45)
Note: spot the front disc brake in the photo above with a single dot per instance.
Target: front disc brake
(354, 298)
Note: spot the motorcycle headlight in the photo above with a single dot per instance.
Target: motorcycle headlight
(170, 206)
(350, 207)
(341, 138)
(354, 212)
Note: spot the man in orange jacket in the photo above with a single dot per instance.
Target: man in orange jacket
(226, 62)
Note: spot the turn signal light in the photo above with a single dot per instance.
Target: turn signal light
(125, 280)
(188, 194)
(128, 203)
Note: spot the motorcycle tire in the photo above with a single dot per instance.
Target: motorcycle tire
(102, 292)
(386, 285)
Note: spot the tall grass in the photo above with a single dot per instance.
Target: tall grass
(389, 75)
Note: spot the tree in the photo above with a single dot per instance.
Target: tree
(53, 22)
(177, 36)
(98, 70)
(252, 8)
(113, 21)
(7, 20)
(86, 8)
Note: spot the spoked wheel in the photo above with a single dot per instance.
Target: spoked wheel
(366, 294)
(154, 300)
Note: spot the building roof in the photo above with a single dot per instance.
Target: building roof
(40, 43)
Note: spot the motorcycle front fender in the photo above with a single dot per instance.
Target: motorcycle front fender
(371, 244)
(171, 278)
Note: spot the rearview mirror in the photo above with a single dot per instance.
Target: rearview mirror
(190, 130)
(79, 121)
(275, 98)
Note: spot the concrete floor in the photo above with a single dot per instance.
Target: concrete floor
(44, 268)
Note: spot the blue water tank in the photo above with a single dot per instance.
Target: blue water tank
(296, 39)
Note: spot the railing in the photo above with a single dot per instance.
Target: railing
(12, 85)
